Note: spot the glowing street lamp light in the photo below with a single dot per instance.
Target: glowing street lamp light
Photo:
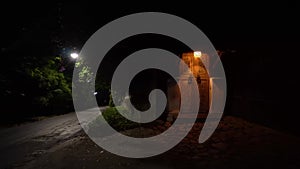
(74, 55)
(197, 54)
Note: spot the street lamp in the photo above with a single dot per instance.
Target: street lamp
(197, 54)
(74, 55)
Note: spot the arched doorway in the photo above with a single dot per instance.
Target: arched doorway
(195, 62)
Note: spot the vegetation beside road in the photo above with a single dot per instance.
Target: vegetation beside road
(114, 119)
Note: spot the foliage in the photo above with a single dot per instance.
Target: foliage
(114, 119)
(111, 102)
(83, 83)
(85, 74)
(54, 90)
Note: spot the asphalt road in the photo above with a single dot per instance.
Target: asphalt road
(23, 143)
(59, 142)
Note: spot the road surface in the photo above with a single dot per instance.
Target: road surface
(59, 142)
(23, 143)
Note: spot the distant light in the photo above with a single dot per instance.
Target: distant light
(74, 55)
(95, 93)
(197, 54)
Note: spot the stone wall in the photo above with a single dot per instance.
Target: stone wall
(197, 68)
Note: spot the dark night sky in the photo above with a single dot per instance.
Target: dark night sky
(227, 25)
(265, 38)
